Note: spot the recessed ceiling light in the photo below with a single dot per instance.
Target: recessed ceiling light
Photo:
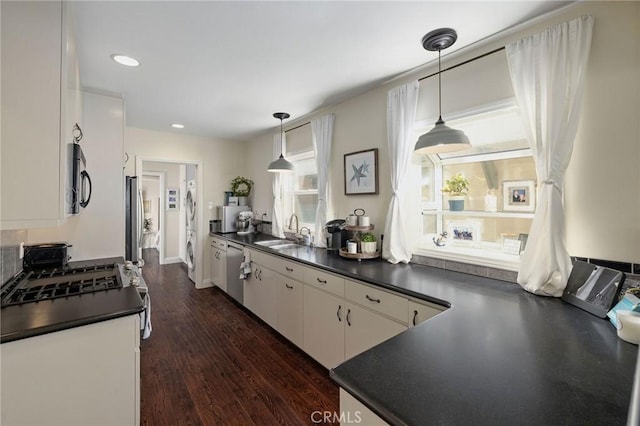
(125, 60)
(177, 126)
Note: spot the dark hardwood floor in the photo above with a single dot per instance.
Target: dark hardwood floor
(209, 361)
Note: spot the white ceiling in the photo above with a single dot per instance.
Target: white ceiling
(223, 68)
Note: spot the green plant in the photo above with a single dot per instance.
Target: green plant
(368, 237)
(456, 186)
(241, 186)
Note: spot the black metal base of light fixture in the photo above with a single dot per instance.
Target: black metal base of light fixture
(439, 39)
(281, 115)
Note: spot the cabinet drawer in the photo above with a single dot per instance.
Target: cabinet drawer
(282, 266)
(381, 301)
(325, 281)
(219, 243)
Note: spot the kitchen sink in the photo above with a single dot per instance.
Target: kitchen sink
(279, 244)
(270, 243)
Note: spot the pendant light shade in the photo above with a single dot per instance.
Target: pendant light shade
(441, 138)
(281, 165)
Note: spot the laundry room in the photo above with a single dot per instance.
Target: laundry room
(169, 204)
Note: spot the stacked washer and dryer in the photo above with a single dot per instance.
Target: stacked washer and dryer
(191, 229)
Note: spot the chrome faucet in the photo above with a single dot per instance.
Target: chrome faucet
(291, 223)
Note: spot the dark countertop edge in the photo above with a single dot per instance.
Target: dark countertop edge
(19, 335)
(264, 249)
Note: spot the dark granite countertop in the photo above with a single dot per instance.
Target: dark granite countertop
(498, 355)
(33, 319)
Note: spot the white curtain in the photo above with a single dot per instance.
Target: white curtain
(322, 135)
(279, 184)
(401, 113)
(547, 72)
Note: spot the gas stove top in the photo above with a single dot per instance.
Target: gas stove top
(54, 283)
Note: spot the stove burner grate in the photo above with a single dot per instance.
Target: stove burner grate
(48, 284)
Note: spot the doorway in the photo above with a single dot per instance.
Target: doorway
(172, 186)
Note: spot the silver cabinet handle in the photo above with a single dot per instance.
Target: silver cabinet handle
(255, 273)
(349, 317)
(288, 269)
(339, 312)
(290, 287)
(260, 275)
(321, 281)
(372, 299)
(415, 317)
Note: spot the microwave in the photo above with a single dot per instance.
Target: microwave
(79, 182)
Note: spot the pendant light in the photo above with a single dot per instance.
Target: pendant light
(441, 138)
(281, 164)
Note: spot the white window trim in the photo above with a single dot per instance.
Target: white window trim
(298, 157)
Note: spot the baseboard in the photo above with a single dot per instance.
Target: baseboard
(206, 283)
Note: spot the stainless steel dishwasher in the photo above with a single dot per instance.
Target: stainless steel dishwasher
(235, 286)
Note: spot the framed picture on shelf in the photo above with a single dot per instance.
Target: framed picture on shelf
(519, 196)
(173, 199)
(361, 172)
(463, 232)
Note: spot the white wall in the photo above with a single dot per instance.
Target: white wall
(98, 231)
(602, 190)
(221, 161)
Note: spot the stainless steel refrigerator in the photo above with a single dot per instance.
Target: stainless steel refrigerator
(133, 219)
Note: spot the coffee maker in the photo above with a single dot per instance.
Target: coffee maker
(337, 237)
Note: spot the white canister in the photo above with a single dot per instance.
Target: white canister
(363, 221)
(352, 220)
(629, 326)
(352, 247)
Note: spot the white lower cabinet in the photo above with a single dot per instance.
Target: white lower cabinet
(219, 263)
(324, 316)
(290, 312)
(353, 411)
(330, 318)
(261, 294)
(364, 329)
(88, 375)
(420, 312)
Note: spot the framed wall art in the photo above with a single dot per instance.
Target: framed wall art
(519, 196)
(463, 232)
(361, 172)
(173, 199)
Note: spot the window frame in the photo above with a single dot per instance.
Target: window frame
(293, 158)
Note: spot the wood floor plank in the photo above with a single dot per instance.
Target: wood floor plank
(209, 361)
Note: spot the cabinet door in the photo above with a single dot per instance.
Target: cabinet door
(324, 319)
(261, 294)
(219, 268)
(364, 329)
(290, 319)
(33, 154)
(419, 312)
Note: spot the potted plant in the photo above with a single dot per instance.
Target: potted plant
(241, 187)
(457, 187)
(368, 243)
(147, 224)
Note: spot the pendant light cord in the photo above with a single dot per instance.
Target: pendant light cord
(281, 140)
(439, 89)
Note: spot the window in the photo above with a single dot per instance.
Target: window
(302, 197)
(499, 155)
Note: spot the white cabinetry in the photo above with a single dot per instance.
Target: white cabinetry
(290, 311)
(364, 329)
(324, 319)
(261, 294)
(80, 376)
(353, 411)
(34, 113)
(219, 263)
(422, 311)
